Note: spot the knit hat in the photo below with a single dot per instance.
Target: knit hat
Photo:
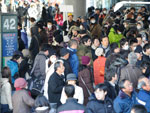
(85, 60)
(63, 52)
(71, 76)
(99, 52)
(132, 57)
(70, 14)
(51, 52)
(20, 83)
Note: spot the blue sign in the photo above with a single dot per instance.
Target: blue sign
(9, 43)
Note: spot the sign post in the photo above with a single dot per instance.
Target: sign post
(8, 37)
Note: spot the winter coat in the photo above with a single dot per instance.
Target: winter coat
(93, 48)
(67, 67)
(34, 47)
(99, 69)
(84, 51)
(123, 103)
(145, 58)
(50, 34)
(112, 91)
(59, 19)
(40, 65)
(24, 38)
(13, 66)
(64, 27)
(98, 106)
(143, 98)
(86, 76)
(71, 106)
(22, 102)
(6, 92)
(105, 49)
(131, 73)
(114, 37)
(55, 86)
(78, 95)
(73, 59)
(95, 30)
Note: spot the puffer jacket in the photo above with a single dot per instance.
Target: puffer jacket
(6, 92)
(98, 106)
(13, 66)
(123, 103)
(99, 69)
(114, 37)
(73, 59)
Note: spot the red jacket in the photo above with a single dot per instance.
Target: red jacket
(99, 69)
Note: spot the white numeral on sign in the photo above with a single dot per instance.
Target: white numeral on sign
(9, 24)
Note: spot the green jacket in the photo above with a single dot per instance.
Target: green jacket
(114, 37)
(84, 51)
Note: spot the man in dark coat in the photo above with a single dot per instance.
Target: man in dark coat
(56, 83)
(71, 105)
(110, 82)
(146, 53)
(64, 53)
(99, 102)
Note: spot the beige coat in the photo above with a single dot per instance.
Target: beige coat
(22, 102)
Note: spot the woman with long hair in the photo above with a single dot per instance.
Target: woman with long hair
(5, 84)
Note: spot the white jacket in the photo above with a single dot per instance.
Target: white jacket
(6, 97)
(78, 95)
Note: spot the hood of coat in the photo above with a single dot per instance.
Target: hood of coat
(3, 81)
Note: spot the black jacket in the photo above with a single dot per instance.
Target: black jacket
(71, 106)
(55, 86)
(145, 58)
(97, 106)
(67, 67)
(112, 92)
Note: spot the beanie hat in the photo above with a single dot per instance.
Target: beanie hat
(20, 83)
(71, 76)
(99, 52)
(132, 57)
(85, 60)
(51, 52)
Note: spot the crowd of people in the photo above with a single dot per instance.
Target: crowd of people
(99, 63)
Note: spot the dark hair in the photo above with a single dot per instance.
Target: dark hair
(144, 65)
(122, 42)
(41, 101)
(121, 83)
(124, 54)
(69, 90)
(109, 73)
(139, 109)
(139, 36)
(146, 46)
(104, 36)
(6, 73)
(45, 47)
(132, 41)
(101, 87)
(85, 38)
(16, 57)
(32, 19)
(95, 39)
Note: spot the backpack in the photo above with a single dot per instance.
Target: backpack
(36, 83)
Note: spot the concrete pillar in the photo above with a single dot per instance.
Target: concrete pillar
(79, 7)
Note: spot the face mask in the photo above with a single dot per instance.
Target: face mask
(125, 26)
(119, 33)
(93, 21)
(139, 18)
(81, 27)
(138, 27)
(104, 12)
(118, 17)
(52, 59)
(126, 47)
(49, 26)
